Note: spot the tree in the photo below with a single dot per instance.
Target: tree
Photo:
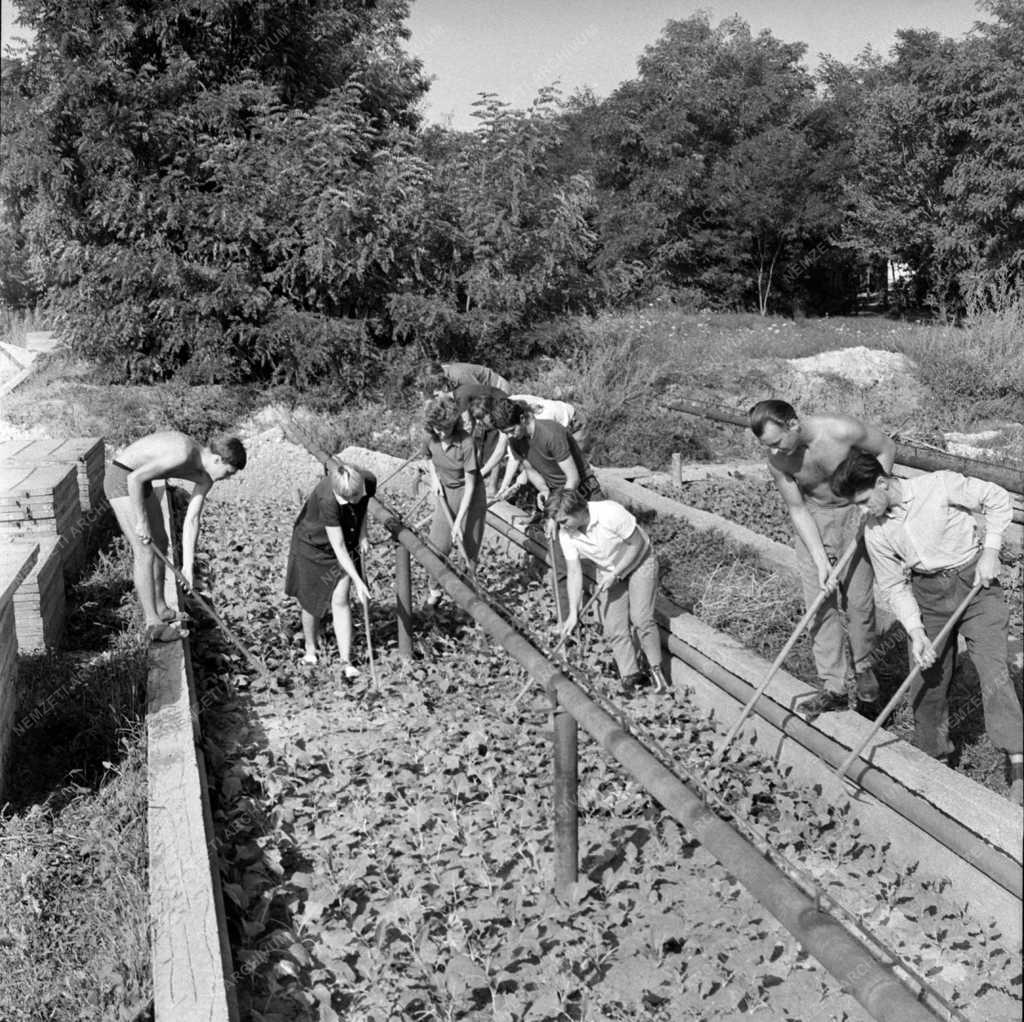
(709, 165)
(505, 241)
(198, 185)
(940, 153)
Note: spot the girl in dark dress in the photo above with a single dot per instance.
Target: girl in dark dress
(456, 481)
(325, 562)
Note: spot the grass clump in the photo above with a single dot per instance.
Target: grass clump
(975, 371)
(73, 853)
(74, 901)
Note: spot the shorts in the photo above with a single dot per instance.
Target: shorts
(115, 482)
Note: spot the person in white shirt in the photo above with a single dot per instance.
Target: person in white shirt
(922, 542)
(605, 533)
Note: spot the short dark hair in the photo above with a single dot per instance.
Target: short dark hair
(505, 414)
(231, 451)
(565, 502)
(857, 472)
(772, 410)
(480, 406)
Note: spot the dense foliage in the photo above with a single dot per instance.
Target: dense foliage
(244, 191)
(212, 186)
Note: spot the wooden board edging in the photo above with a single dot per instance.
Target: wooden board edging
(190, 955)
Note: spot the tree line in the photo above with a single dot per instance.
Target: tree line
(237, 191)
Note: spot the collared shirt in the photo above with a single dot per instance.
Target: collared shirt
(547, 408)
(930, 529)
(610, 526)
(453, 460)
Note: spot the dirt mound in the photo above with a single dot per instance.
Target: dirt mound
(874, 384)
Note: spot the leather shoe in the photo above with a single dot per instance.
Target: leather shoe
(824, 701)
(631, 682)
(866, 686)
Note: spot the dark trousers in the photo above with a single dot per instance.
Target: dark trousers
(984, 627)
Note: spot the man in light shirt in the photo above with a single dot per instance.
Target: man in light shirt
(605, 533)
(921, 540)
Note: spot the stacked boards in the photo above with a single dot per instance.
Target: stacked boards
(38, 601)
(86, 456)
(12, 576)
(51, 496)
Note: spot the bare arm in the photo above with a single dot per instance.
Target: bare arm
(467, 499)
(496, 456)
(337, 540)
(535, 477)
(574, 588)
(803, 524)
(190, 528)
(572, 476)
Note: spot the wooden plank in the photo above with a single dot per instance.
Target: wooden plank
(39, 601)
(18, 481)
(11, 577)
(8, 686)
(190, 955)
(85, 454)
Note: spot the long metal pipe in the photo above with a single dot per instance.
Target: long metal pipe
(874, 984)
(989, 860)
(906, 454)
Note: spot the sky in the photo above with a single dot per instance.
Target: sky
(516, 46)
(513, 47)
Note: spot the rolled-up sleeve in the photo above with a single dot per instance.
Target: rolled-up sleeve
(891, 579)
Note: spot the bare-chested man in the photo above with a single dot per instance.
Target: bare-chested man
(803, 454)
(128, 484)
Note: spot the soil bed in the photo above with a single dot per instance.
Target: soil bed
(388, 855)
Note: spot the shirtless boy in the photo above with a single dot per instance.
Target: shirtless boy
(128, 484)
(802, 455)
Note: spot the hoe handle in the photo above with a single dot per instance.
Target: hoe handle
(938, 643)
(826, 592)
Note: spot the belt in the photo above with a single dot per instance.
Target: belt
(640, 558)
(945, 572)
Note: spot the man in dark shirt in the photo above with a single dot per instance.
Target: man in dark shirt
(553, 462)
(546, 451)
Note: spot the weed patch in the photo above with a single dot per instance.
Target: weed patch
(73, 874)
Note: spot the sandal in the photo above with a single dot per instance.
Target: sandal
(309, 659)
(166, 631)
(347, 671)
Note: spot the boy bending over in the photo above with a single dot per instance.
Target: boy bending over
(128, 484)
